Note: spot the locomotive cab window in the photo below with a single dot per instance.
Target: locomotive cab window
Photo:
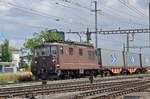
(80, 52)
(70, 51)
(42, 51)
(37, 52)
(45, 51)
(53, 50)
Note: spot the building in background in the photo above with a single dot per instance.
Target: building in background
(10, 66)
(61, 33)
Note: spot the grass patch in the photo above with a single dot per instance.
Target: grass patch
(16, 77)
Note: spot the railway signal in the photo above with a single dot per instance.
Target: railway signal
(88, 34)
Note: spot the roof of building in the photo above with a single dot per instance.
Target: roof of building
(10, 48)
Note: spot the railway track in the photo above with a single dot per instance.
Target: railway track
(100, 86)
(49, 89)
(74, 81)
(115, 91)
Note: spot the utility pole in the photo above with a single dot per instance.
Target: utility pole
(124, 47)
(79, 36)
(149, 24)
(96, 24)
(128, 42)
(96, 42)
(88, 34)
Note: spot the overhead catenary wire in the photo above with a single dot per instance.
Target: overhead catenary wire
(122, 21)
(78, 5)
(133, 9)
(116, 18)
(135, 23)
(79, 16)
(118, 12)
(82, 24)
(85, 8)
(60, 0)
(28, 25)
(33, 11)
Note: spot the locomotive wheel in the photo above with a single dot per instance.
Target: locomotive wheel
(59, 73)
(107, 73)
(44, 76)
(37, 78)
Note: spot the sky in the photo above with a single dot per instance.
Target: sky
(19, 19)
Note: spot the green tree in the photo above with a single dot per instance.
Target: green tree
(22, 63)
(38, 38)
(6, 53)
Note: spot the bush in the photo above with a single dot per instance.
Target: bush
(25, 78)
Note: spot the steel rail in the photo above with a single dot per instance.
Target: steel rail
(120, 89)
(48, 89)
(104, 79)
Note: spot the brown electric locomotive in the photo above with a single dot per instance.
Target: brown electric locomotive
(59, 59)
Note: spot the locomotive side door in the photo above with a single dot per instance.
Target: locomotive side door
(54, 53)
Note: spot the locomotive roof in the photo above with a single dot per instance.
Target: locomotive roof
(68, 43)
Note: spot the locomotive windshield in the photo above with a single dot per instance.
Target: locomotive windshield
(53, 50)
(44, 51)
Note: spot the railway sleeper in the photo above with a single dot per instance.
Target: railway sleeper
(48, 87)
(112, 89)
(39, 91)
(136, 89)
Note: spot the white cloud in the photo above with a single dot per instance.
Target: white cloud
(4, 7)
(16, 43)
(133, 2)
(70, 17)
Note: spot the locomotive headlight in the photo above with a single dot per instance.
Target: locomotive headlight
(57, 65)
(53, 60)
(35, 62)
